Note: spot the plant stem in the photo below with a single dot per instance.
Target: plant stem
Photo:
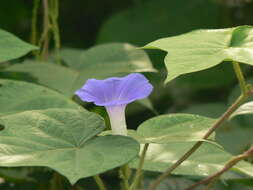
(54, 14)
(227, 166)
(138, 173)
(34, 22)
(45, 34)
(56, 183)
(240, 77)
(216, 125)
(99, 182)
(124, 175)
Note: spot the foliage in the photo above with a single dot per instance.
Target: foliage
(195, 126)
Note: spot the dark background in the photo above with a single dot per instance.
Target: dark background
(84, 23)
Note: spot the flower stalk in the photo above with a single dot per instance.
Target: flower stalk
(99, 182)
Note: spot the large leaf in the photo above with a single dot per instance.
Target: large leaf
(174, 128)
(16, 96)
(98, 62)
(12, 47)
(63, 139)
(207, 160)
(171, 128)
(202, 49)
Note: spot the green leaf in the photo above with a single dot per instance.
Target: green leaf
(174, 128)
(65, 140)
(171, 183)
(12, 47)
(171, 128)
(16, 96)
(203, 49)
(207, 160)
(16, 174)
(232, 130)
(98, 62)
(182, 182)
(244, 109)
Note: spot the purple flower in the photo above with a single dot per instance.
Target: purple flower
(115, 93)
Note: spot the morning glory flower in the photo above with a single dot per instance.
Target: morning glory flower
(115, 93)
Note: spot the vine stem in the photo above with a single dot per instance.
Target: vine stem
(124, 175)
(240, 77)
(138, 173)
(209, 180)
(34, 22)
(217, 124)
(56, 183)
(46, 28)
(99, 182)
(54, 15)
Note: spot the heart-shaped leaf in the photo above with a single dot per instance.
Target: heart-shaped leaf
(12, 47)
(171, 128)
(207, 160)
(202, 49)
(62, 139)
(174, 128)
(16, 96)
(98, 62)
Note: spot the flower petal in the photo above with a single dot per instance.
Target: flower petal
(115, 90)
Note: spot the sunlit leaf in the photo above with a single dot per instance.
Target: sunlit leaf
(62, 139)
(171, 128)
(202, 49)
(174, 128)
(207, 160)
(244, 109)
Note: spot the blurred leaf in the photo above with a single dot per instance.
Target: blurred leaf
(98, 62)
(12, 47)
(174, 128)
(16, 174)
(171, 183)
(226, 136)
(111, 58)
(182, 182)
(156, 19)
(16, 96)
(244, 109)
(202, 49)
(207, 160)
(213, 110)
(236, 92)
(63, 139)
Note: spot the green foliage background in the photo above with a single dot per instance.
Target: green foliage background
(85, 23)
